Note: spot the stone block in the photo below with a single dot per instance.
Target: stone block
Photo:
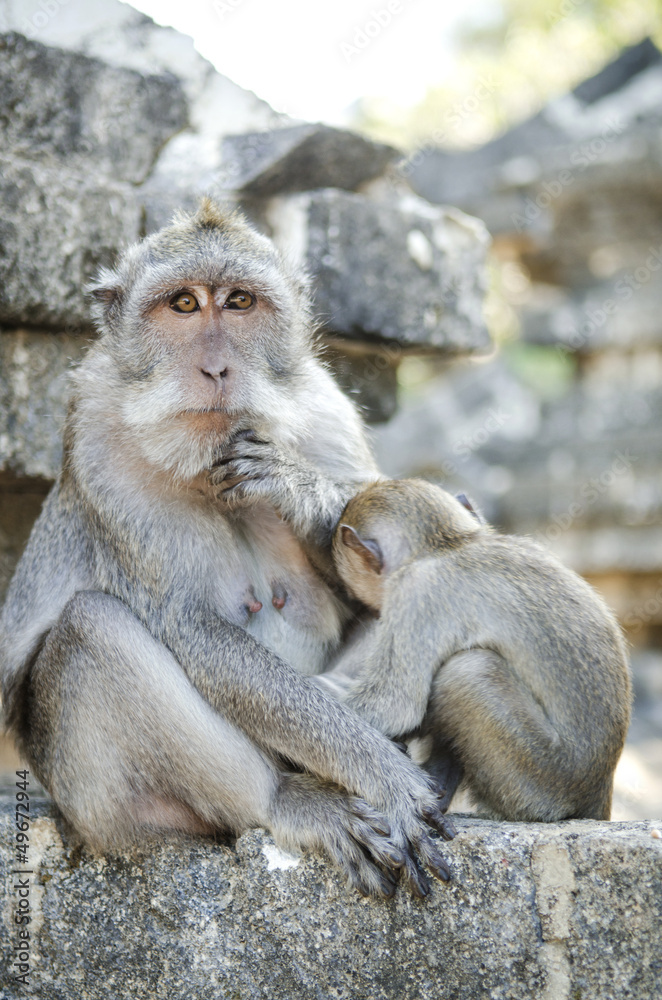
(64, 107)
(301, 158)
(33, 396)
(56, 228)
(575, 189)
(399, 270)
(551, 911)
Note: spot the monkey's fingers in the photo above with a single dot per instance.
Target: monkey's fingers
(427, 851)
(371, 829)
(251, 449)
(414, 879)
(435, 818)
(228, 483)
(444, 795)
(377, 820)
(361, 869)
(378, 884)
(247, 435)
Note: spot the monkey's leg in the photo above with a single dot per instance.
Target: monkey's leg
(126, 745)
(441, 761)
(514, 760)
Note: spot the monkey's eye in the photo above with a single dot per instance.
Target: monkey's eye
(239, 300)
(184, 303)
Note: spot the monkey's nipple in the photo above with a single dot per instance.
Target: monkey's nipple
(252, 603)
(279, 598)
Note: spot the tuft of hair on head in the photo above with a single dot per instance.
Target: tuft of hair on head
(210, 215)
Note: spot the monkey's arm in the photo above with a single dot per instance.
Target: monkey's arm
(386, 675)
(284, 713)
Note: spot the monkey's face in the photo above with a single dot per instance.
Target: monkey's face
(209, 336)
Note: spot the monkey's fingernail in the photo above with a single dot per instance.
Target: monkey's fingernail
(380, 825)
(431, 815)
(420, 886)
(388, 887)
(442, 871)
(402, 747)
(448, 829)
(395, 856)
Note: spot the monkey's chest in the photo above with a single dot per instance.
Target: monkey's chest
(282, 602)
(298, 618)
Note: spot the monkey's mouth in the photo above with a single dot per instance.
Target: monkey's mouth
(208, 419)
(203, 410)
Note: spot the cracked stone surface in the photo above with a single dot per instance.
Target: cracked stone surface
(64, 106)
(397, 270)
(567, 911)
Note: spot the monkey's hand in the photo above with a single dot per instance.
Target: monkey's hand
(410, 813)
(311, 814)
(251, 468)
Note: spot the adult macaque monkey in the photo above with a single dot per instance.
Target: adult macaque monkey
(512, 665)
(158, 633)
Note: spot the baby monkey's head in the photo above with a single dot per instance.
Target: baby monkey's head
(392, 523)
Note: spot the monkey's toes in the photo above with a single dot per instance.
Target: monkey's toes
(370, 881)
(414, 879)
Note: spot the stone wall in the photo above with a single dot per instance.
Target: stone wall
(572, 200)
(567, 911)
(109, 124)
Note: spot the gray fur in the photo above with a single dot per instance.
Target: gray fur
(511, 665)
(141, 679)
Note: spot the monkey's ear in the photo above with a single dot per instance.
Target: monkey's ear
(104, 295)
(368, 549)
(466, 502)
(106, 290)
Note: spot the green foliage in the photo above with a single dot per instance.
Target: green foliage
(547, 371)
(506, 70)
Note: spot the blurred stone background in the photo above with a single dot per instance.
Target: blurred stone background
(109, 122)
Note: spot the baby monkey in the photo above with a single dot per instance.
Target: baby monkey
(508, 664)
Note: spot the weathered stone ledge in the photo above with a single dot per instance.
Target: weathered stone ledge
(570, 910)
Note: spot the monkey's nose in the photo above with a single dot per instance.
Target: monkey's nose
(215, 373)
